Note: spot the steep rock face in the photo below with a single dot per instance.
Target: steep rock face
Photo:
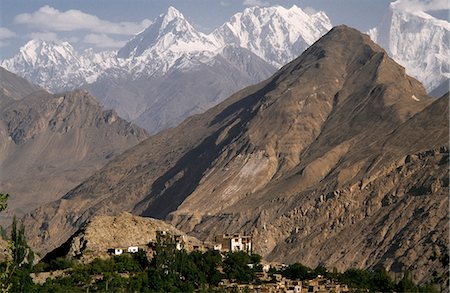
(330, 147)
(417, 41)
(51, 143)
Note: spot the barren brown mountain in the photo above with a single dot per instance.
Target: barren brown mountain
(339, 159)
(51, 143)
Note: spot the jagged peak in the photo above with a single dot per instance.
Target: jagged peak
(36, 44)
(173, 13)
(296, 9)
(34, 49)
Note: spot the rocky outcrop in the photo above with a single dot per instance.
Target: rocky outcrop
(335, 160)
(103, 233)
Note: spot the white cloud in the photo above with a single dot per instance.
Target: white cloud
(255, 3)
(51, 19)
(223, 3)
(45, 36)
(422, 5)
(73, 39)
(309, 10)
(6, 33)
(103, 41)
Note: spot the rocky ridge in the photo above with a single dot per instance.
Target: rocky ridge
(322, 155)
(51, 143)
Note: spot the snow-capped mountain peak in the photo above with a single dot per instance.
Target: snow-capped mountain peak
(169, 32)
(36, 51)
(175, 22)
(172, 13)
(418, 41)
(56, 66)
(276, 34)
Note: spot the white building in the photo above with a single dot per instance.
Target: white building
(133, 249)
(118, 251)
(235, 242)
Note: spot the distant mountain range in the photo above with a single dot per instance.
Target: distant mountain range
(51, 143)
(339, 159)
(138, 80)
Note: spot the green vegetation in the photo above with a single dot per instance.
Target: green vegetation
(3, 199)
(173, 270)
(15, 272)
(241, 267)
(170, 270)
(360, 280)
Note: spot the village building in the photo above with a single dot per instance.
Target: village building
(133, 249)
(121, 250)
(234, 242)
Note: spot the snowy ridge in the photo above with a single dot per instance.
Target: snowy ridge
(275, 34)
(57, 66)
(169, 38)
(418, 41)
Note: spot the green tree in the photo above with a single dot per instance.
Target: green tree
(356, 278)
(319, 270)
(15, 272)
(296, 271)
(209, 264)
(6, 268)
(3, 200)
(238, 266)
(22, 259)
(380, 281)
(428, 288)
(406, 284)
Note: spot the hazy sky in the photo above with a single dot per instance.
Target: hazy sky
(105, 24)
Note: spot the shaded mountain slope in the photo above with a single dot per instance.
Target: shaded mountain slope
(14, 87)
(316, 153)
(51, 143)
(155, 104)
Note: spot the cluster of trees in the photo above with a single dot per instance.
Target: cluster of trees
(169, 270)
(360, 280)
(173, 270)
(15, 271)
